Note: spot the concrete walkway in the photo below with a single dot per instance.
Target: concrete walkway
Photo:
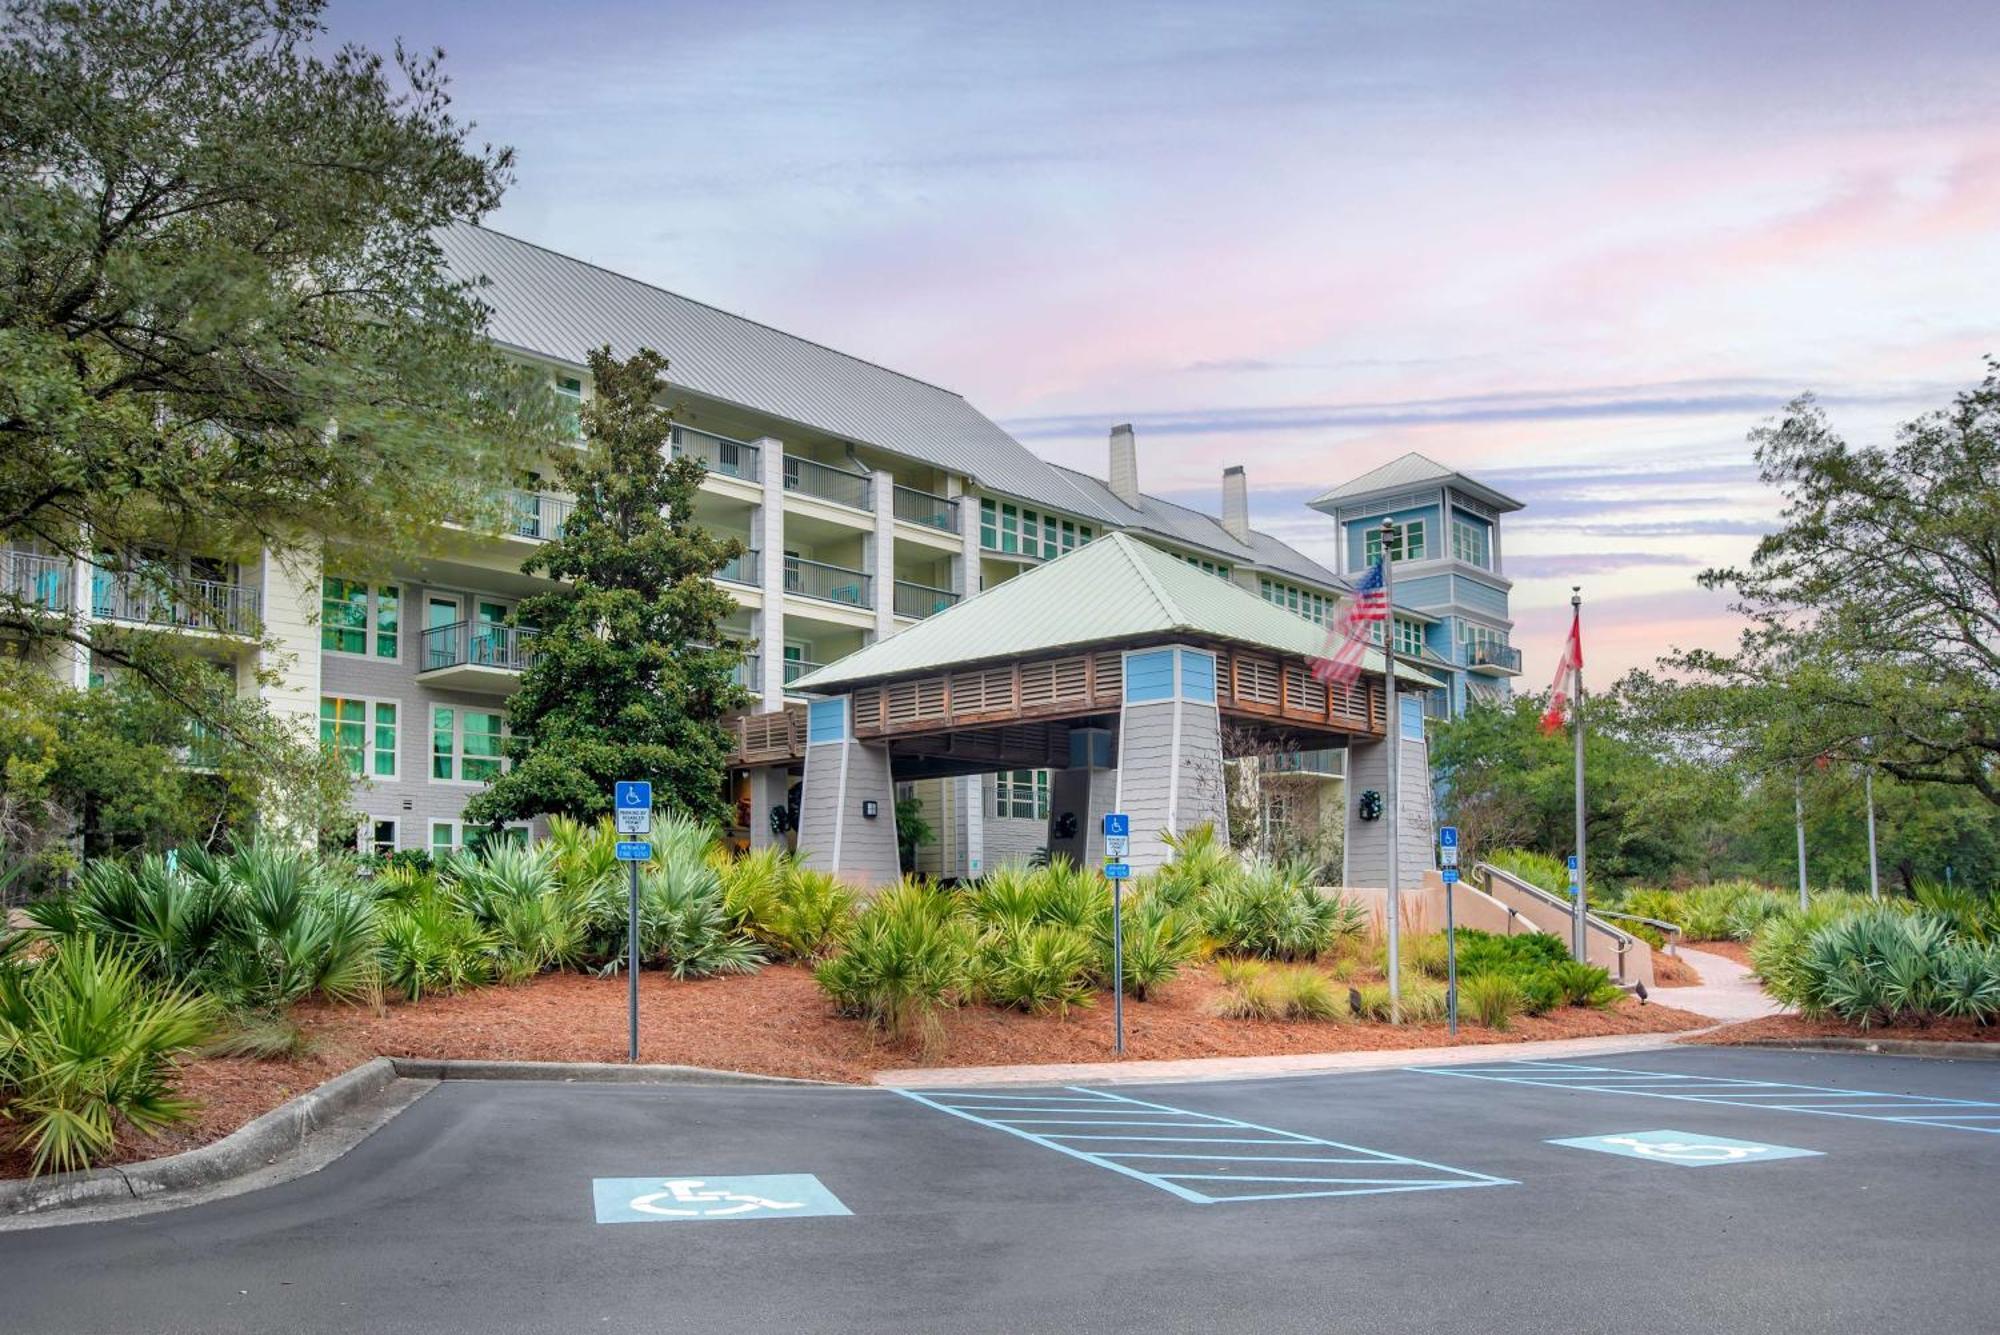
(1727, 992)
(1252, 1068)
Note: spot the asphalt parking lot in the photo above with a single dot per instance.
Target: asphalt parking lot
(1713, 1191)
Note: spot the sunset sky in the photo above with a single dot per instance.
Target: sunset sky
(1579, 250)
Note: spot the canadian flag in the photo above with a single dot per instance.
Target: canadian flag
(1569, 675)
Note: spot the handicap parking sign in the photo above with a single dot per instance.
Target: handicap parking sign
(666, 1200)
(1688, 1149)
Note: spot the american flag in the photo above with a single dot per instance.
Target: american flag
(1349, 637)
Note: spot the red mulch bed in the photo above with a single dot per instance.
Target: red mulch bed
(1672, 971)
(1729, 950)
(778, 1023)
(1797, 1026)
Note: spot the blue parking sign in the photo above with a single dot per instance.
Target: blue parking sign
(1448, 837)
(634, 795)
(1117, 824)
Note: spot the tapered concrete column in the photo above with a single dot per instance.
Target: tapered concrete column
(768, 528)
(881, 560)
(288, 661)
(76, 658)
(845, 781)
(1365, 851)
(1169, 749)
(972, 801)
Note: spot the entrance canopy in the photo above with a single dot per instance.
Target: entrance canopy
(1002, 680)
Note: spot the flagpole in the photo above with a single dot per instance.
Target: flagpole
(1580, 943)
(1874, 875)
(1391, 807)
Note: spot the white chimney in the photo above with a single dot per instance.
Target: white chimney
(1235, 503)
(1125, 465)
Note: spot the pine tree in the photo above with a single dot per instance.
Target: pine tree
(631, 674)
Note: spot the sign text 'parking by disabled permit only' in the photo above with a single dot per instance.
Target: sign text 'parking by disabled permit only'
(688, 1200)
(632, 804)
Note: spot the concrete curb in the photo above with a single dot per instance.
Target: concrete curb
(1882, 1047)
(244, 1150)
(606, 1073)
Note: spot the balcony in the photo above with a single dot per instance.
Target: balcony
(476, 656)
(34, 580)
(741, 569)
(538, 514)
(750, 673)
(809, 477)
(1322, 763)
(921, 600)
(166, 599)
(1504, 659)
(729, 458)
(931, 511)
(828, 583)
(799, 667)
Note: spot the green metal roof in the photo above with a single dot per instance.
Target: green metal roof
(1117, 589)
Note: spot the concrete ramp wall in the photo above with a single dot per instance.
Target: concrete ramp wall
(1625, 957)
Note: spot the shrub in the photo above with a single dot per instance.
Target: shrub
(1040, 968)
(1159, 940)
(683, 925)
(812, 917)
(1258, 991)
(1579, 984)
(429, 945)
(1491, 999)
(907, 957)
(514, 895)
(86, 1042)
(1426, 952)
(1307, 994)
(1423, 1000)
(1200, 862)
(1250, 993)
(1266, 911)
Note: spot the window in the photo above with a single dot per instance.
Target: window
(362, 733)
(466, 744)
(1409, 637)
(450, 836)
(1475, 640)
(1471, 543)
(1022, 794)
(1406, 542)
(1217, 568)
(1016, 530)
(378, 837)
(357, 619)
(1315, 607)
(1074, 535)
(569, 401)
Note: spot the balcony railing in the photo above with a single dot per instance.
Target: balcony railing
(809, 477)
(828, 583)
(922, 507)
(478, 644)
(750, 672)
(799, 667)
(1503, 656)
(741, 569)
(921, 600)
(37, 580)
(189, 604)
(730, 458)
(539, 514)
(1328, 762)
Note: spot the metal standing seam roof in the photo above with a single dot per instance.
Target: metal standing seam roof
(1195, 528)
(1412, 470)
(1116, 588)
(554, 306)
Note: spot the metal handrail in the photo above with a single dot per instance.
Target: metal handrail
(36, 579)
(539, 514)
(191, 604)
(799, 667)
(1673, 931)
(477, 644)
(731, 458)
(839, 485)
(1621, 940)
(921, 600)
(1493, 655)
(927, 508)
(741, 569)
(828, 583)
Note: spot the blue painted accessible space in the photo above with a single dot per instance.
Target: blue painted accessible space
(1687, 1149)
(689, 1200)
(1197, 1156)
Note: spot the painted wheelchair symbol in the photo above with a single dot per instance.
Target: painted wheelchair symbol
(1682, 1150)
(687, 1192)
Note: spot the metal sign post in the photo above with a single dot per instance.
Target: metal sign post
(1448, 860)
(1117, 843)
(632, 799)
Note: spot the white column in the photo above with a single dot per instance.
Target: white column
(76, 658)
(769, 530)
(882, 551)
(965, 566)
